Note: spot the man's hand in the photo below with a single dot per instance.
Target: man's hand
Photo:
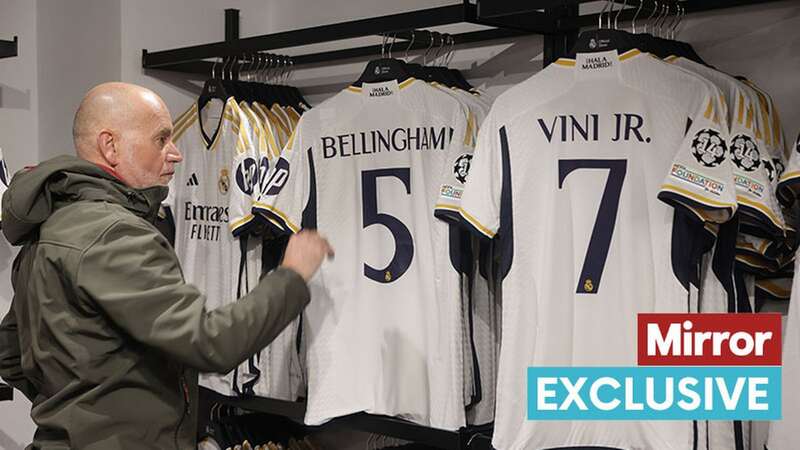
(305, 253)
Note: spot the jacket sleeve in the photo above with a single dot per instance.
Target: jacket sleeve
(11, 357)
(133, 275)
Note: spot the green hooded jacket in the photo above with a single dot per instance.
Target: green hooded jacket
(104, 336)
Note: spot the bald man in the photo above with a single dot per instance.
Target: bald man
(104, 336)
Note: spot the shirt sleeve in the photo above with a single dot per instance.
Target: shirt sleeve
(242, 183)
(755, 194)
(457, 166)
(285, 190)
(700, 178)
(481, 198)
(132, 275)
(789, 183)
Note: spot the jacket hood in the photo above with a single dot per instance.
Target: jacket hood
(35, 194)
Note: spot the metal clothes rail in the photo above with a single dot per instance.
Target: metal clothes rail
(557, 20)
(469, 438)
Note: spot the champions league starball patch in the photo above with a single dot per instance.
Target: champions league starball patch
(774, 168)
(779, 167)
(769, 168)
(745, 153)
(709, 148)
(461, 167)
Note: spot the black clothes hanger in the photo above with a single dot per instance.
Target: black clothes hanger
(603, 40)
(384, 69)
(212, 89)
(461, 82)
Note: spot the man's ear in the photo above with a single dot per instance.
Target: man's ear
(107, 143)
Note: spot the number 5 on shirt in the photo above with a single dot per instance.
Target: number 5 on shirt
(404, 243)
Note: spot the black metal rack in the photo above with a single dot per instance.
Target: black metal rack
(470, 438)
(557, 20)
(191, 59)
(9, 48)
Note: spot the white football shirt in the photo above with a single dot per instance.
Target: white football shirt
(210, 198)
(749, 153)
(783, 434)
(384, 328)
(568, 172)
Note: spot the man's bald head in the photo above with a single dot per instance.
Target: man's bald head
(110, 106)
(124, 126)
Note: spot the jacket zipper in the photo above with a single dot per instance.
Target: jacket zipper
(186, 410)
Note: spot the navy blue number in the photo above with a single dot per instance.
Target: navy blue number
(404, 243)
(603, 231)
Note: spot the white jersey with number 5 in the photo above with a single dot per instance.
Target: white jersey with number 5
(569, 173)
(366, 169)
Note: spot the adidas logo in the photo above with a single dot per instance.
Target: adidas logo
(193, 180)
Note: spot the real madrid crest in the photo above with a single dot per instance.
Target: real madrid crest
(224, 182)
(708, 147)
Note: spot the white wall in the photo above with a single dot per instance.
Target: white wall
(78, 48)
(761, 42)
(19, 132)
(19, 139)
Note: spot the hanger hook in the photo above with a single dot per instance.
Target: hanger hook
(610, 12)
(427, 50)
(281, 68)
(657, 22)
(600, 16)
(441, 47)
(267, 67)
(452, 53)
(277, 75)
(633, 22)
(264, 66)
(650, 17)
(273, 66)
(672, 20)
(224, 71)
(391, 45)
(411, 44)
(434, 51)
(616, 18)
(281, 61)
(678, 20)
